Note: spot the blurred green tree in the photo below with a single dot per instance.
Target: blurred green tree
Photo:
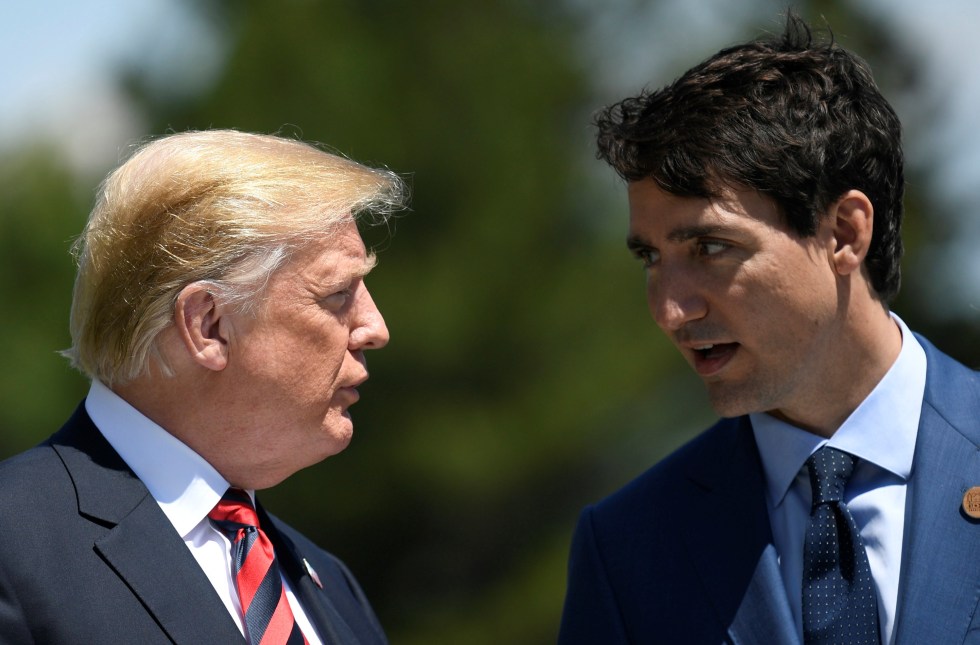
(524, 377)
(42, 213)
(476, 435)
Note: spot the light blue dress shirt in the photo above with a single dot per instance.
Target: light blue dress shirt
(881, 432)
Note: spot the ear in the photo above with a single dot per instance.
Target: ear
(202, 326)
(852, 217)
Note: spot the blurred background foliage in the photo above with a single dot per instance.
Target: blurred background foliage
(524, 378)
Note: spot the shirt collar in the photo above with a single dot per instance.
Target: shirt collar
(892, 409)
(182, 482)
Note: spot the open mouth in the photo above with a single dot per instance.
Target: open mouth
(708, 359)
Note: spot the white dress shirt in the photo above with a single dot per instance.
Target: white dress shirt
(881, 432)
(185, 486)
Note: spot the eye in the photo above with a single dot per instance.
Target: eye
(337, 300)
(711, 247)
(647, 256)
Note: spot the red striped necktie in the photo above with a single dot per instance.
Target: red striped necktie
(268, 618)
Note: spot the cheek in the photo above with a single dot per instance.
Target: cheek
(331, 365)
(795, 309)
(300, 359)
(322, 356)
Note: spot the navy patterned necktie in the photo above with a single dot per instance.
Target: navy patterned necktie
(840, 604)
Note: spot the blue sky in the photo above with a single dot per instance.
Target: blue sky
(57, 64)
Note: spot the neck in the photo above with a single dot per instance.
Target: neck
(865, 348)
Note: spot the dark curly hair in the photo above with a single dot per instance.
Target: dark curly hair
(797, 120)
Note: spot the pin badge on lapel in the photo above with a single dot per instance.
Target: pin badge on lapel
(971, 502)
(316, 579)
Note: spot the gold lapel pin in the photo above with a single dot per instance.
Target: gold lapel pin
(971, 502)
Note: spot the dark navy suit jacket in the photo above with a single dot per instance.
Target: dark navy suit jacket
(87, 556)
(684, 553)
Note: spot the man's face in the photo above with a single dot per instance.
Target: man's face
(752, 307)
(297, 364)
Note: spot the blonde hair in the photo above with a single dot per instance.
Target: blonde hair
(220, 206)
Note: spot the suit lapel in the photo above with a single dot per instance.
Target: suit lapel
(329, 624)
(731, 546)
(146, 552)
(764, 617)
(140, 544)
(941, 556)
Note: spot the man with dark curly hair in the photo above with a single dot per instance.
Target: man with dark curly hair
(831, 503)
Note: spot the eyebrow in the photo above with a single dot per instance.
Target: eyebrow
(634, 242)
(359, 273)
(681, 234)
(370, 262)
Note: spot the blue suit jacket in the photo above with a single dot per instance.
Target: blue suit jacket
(87, 556)
(684, 553)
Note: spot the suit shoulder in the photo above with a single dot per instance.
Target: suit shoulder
(28, 475)
(952, 390)
(333, 578)
(305, 545)
(942, 366)
(25, 476)
(37, 498)
(667, 482)
(325, 563)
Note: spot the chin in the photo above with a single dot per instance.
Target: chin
(322, 453)
(729, 404)
(336, 438)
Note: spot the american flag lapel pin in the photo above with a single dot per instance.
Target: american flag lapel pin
(312, 573)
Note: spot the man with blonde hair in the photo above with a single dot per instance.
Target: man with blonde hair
(221, 313)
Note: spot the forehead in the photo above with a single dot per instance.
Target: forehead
(333, 259)
(654, 211)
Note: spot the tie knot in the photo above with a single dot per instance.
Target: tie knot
(829, 471)
(234, 511)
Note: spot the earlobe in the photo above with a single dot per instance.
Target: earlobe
(199, 322)
(853, 220)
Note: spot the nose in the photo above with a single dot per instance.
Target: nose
(369, 330)
(674, 299)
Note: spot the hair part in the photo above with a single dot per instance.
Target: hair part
(798, 120)
(220, 206)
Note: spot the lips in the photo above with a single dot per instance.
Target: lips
(350, 394)
(709, 358)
